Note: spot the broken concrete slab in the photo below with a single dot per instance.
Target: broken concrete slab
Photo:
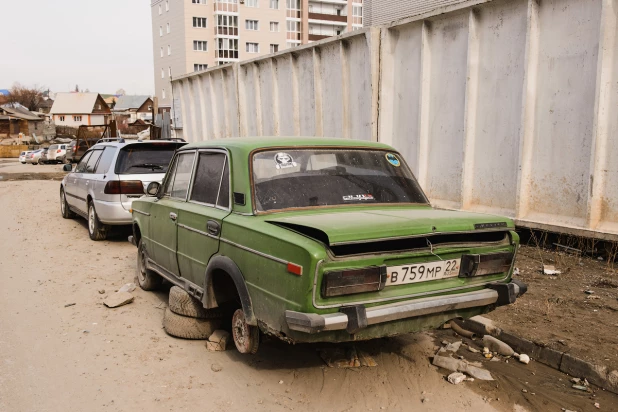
(217, 342)
(118, 299)
(456, 378)
(456, 365)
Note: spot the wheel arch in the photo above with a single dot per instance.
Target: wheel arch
(218, 268)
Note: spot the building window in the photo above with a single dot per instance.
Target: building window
(293, 9)
(160, 10)
(169, 50)
(292, 44)
(169, 71)
(274, 26)
(167, 5)
(199, 67)
(274, 48)
(163, 94)
(222, 62)
(161, 51)
(199, 22)
(168, 28)
(251, 24)
(227, 49)
(162, 74)
(160, 31)
(293, 30)
(199, 45)
(198, 1)
(77, 118)
(230, 6)
(274, 4)
(227, 25)
(253, 48)
(252, 3)
(357, 15)
(61, 118)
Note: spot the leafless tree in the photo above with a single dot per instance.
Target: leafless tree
(29, 97)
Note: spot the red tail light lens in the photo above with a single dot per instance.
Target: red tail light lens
(124, 187)
(347, 282)
(58, 151)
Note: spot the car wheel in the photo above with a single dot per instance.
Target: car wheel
(23, 163)
(246, 337)
(181, 303)
(189, 328)
(67, 213)
(96, 229)
(147, 279)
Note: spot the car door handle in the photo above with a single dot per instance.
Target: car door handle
(214, 228)
(173, 216)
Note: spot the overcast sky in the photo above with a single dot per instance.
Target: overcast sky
(100, 45)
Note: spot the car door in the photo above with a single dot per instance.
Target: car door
(200, 219)
(164, 213)
(74, 198)
(86, 182)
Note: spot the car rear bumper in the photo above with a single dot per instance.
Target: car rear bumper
(112, 213)
(354, 318)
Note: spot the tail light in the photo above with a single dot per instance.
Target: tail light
(124, 187)
(489, 264)
(58, 151)
(346, 282)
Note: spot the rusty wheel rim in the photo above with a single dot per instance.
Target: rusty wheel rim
(240, 332)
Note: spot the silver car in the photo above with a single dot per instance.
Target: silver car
(108, 177)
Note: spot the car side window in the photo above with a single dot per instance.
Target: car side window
(182, 175)
(63, 147)
(106, 160)
(81, 166)
(167, 188)
(92, 162)
(208, 178)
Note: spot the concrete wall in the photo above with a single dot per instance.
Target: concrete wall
(504, 107)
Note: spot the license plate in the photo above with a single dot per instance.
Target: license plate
(422, 272)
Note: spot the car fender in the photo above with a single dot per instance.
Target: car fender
(227, 265)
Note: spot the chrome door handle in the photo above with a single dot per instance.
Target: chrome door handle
(173, 216)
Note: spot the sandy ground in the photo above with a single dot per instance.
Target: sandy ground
(87, 357)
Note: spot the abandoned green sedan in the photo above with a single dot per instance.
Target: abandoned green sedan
(318, 240)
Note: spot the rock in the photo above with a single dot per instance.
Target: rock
(280, 382)
(524, 390)
(524, 358)
(580, 388)
(550, 270)
(215, 367)
(473, 350)
(576, 380)
(597, 405)
(453, 347)
(456, 378)
(118, 299)
(498, 346)
(129, 287)
(218, 341)
(101, 291)
(589, 292)
(591, 297)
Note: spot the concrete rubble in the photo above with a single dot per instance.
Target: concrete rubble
(118, 299)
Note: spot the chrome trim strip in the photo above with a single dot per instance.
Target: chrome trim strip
(364, 302)
(386, 313)
(276, 259)
(141, 213)
(189, 228)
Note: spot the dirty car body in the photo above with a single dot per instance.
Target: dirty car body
(321, 240)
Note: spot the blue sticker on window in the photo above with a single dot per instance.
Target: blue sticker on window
(392, 159)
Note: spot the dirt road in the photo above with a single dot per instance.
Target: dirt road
(87, 357)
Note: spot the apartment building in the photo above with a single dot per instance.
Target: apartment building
(378, 12)
(193, 35)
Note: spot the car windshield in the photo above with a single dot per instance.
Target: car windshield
(292, 178)
(143, 158)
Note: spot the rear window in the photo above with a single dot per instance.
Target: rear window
(53, 147)
(145, 158)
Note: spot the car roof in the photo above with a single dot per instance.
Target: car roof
(249, 144)
(113, 143)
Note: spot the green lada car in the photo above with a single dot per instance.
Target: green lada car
(318, 240)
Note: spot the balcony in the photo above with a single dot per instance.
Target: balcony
(329, 18)
(226, 31)
(316, 37)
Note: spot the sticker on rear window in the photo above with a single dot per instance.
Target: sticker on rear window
(284, 160)
(352, 198)
(393, 159)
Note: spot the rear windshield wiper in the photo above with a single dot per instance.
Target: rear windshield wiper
(149, 166)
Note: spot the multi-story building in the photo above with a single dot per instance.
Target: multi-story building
(193, 35)
(378, 12)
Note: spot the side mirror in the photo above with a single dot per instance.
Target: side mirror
(153, 188)
(67, 167)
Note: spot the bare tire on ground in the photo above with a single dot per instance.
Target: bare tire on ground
(181, 303)
(67, 213)
(246, 337)
(96, 229)
(147, 279)
(189, 328)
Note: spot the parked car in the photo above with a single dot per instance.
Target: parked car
(35, 156)
(57, 153)
(108, 177)
(43, 159)
(318, 240)
(23, 156)
(75, 151)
